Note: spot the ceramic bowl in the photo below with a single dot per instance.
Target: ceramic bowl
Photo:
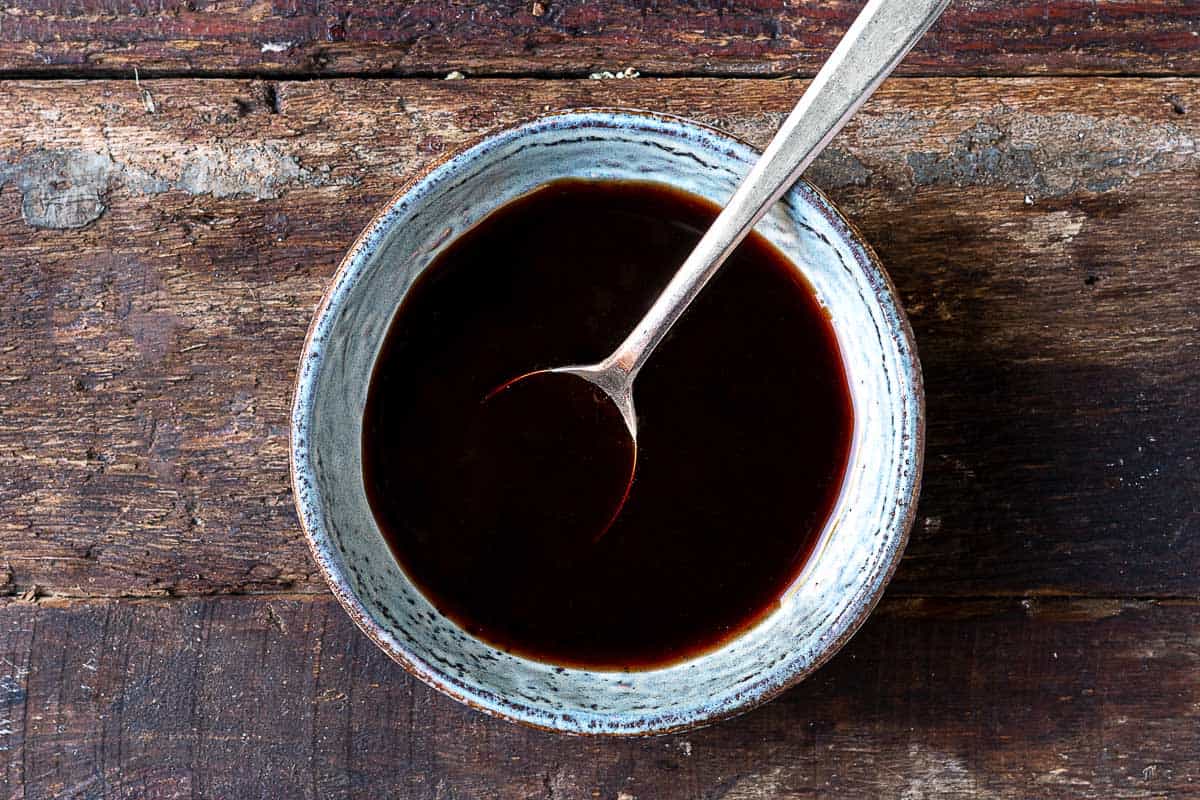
(858, 549)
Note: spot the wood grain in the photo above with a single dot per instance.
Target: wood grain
(575, 37)
(160, 267)
(282, 697)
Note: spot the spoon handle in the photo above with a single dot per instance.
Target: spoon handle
(878, 40)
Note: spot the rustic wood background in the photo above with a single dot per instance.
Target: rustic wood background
(1032, 183)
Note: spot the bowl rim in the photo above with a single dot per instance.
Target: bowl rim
(320, 544)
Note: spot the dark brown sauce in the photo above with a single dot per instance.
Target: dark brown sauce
(499, 510)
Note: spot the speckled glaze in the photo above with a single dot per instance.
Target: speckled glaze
(859, 547)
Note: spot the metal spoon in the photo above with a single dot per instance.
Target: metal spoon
(878, 40)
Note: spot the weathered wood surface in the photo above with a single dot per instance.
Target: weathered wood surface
(283, 698)
(159, 269)
(573, 37)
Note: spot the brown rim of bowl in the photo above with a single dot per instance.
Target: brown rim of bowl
(750, 698)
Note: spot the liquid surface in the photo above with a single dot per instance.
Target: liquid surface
(744, 430)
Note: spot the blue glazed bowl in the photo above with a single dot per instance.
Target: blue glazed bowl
(858, 549)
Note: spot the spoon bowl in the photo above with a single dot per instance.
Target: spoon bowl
(536, 433)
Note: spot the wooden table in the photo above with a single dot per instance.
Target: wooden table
(179, 180)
